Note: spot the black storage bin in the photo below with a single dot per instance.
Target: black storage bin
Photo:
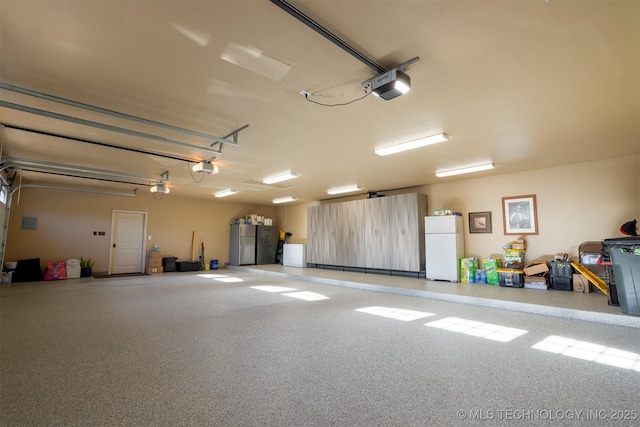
(169, 264)
(561, 275)
(28, 270)
(562, 283)
(188, 266)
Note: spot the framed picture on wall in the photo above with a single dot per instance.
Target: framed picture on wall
(520, 215)
(480, 222)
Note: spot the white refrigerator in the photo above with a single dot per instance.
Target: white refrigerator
(444, 246)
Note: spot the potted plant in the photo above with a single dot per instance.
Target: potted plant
(86, 267)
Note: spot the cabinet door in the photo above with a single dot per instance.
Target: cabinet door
(403, 233)
(315, 235)
(352, 246)
(377, 233)
(333, 225)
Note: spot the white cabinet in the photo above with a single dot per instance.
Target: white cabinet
(294, 255)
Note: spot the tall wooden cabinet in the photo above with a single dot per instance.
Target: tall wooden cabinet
(384, 233)
(335, 234)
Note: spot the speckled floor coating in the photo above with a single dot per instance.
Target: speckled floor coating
(210, 349)
(572, 305)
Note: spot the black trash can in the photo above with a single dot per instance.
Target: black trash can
(625, 260)
(169, 264)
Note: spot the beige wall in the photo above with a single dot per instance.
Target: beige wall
(575, 204)
(67, 220)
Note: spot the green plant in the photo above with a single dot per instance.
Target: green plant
(86, 263)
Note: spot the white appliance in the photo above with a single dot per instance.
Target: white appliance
(294, 255)
(444, 246)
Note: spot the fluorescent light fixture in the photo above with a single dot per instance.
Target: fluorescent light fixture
(205, 167)
(341, 190)
(465, 170)
(160, 189)
(433, 139)
(225, 193)
(278, 178)
(284, 200)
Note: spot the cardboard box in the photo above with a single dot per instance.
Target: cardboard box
(518, 246)
(535, 267)
(155, 254)
(154, 262)
(581, 283)
(536, 282)
(154, 270)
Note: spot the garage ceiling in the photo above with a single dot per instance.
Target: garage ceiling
(522, 84)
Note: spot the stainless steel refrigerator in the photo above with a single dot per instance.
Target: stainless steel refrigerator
(266, 244)
(444, 246)
(242, 247)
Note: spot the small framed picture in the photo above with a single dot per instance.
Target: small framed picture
(520, 215)
(480, 222)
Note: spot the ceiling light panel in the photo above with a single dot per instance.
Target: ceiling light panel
(225, 193)
(342, 190)
(280, 178)
(418, 143)
(465, 170)
(284, 200)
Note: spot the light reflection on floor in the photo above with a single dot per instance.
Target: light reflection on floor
(478, 329)
(590, 351)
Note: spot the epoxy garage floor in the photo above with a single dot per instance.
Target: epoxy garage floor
(232, 348)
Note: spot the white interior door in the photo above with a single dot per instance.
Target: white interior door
(127, 242)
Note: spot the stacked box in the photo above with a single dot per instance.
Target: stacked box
(536, 282)
(535, 275)
(154, 263)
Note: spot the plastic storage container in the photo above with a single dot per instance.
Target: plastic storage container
(169, 264)
(625, 259)
(510, 277)
(561, 275)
